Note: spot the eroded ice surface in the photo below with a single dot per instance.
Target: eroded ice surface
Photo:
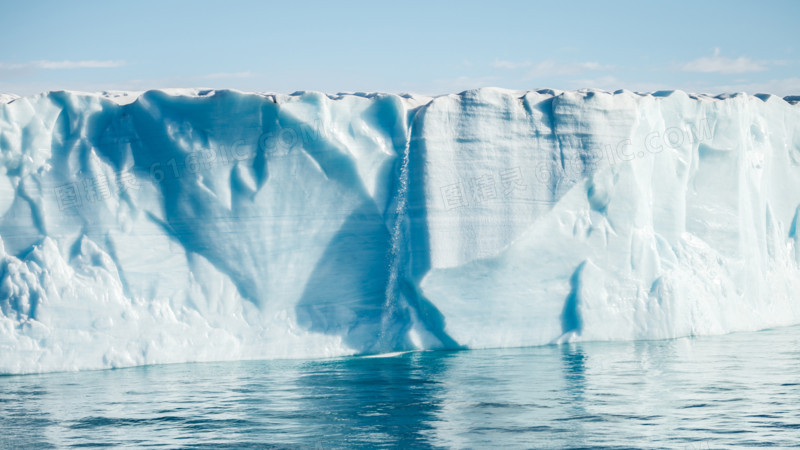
(209, 225)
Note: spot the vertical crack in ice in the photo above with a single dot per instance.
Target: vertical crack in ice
(406, 312)
(392, 295)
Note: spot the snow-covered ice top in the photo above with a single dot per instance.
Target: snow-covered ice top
(192, 225)
(6, 98)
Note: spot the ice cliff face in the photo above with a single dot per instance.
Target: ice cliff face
(208, 225)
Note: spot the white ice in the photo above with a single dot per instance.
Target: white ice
(189, 225)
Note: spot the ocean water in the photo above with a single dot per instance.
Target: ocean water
(704, 392)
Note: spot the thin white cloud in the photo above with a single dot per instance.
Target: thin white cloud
(510, 65)
(222, 75)
(553, 68)
(722, 64)
(25, 86)
(550, 68)
(781, 87)
(610, 83)
(457, 84)
(57, 65)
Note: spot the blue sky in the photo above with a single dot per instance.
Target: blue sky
(429, 47)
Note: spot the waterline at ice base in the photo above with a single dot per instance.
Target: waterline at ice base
(190, 225)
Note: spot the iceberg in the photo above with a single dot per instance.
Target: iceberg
(196, 225)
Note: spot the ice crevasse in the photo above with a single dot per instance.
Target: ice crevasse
(196, 225)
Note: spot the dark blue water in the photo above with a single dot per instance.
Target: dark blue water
(741, 389)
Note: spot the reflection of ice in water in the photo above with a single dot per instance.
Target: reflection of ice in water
(693, 393)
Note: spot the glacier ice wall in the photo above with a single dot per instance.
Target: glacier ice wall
(211, 225)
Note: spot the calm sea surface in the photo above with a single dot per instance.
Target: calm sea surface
(710, 392)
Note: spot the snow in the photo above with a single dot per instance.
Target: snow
(196, 225)
(7, 98)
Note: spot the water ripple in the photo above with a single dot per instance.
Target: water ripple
(736, 390)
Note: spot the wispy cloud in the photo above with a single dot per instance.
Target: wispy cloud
(611, 83)
(58, 65)
(781, 87)
(461, 83)
(510, 65)
(223, 75)
(554, 68)
(550, 67)
(721, 64)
